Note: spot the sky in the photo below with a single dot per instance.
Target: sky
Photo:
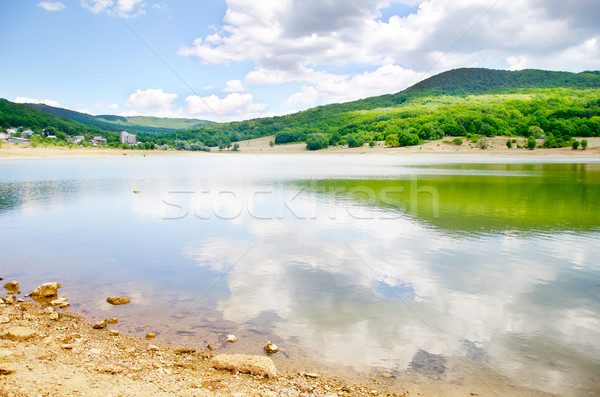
(226, 60)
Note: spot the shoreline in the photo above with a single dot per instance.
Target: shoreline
(52, 351)
(62, 354)
(261, 146)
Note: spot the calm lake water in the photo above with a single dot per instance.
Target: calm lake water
(449, 270)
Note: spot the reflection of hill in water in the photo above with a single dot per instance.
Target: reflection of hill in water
(483, 198)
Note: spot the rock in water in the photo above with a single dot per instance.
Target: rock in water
(58, 302)
(150, 335)
(113, 320)
(12, 287)
(47, 290)
(271, 348)
(231, 338)
(118, 300)
(247, 364)
(19, 334)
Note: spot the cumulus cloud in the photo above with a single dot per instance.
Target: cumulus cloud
(234, 86)
(291, 40)
(234, 106)
(51, 5)
(153, 102)
(121, 8)
(49, 102)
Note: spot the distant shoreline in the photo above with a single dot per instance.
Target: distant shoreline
(261, 146)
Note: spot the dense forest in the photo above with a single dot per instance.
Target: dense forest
(555, 106)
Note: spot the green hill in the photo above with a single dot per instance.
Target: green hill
(137, 124)
(19, 115)
(456, 102)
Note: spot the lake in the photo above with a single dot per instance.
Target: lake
(475, 271)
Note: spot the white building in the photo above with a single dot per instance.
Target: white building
(126, 137)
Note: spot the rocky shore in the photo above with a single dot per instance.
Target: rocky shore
(47, 351)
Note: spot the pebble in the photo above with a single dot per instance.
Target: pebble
(47, 290)
(312, 375)
(153, 348)
(54, 316)
(118, 300)
(231, 338)
(4, 319)
(12, 287)
(100, 324)
(6, 369)
(386, 375)
(5, 353)
(150, 335)
(110, 369)
(113, 332)
(271, 348)
(58, 302)
(68, 346)
(113, 320)
(95, 351)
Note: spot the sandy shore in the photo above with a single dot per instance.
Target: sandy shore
(261, 146)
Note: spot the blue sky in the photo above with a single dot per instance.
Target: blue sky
(236, 59)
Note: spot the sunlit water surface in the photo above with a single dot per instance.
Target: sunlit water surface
(445, 269)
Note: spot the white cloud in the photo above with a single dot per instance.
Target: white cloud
(49, 102)
(113, 106)
(153, 102)
(339, 88)
(234, 106)
(234, 86)
(51, 5)
(298, 41)
(121, 8)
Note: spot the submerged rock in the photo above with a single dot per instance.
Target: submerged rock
(12, 287)
(271, 348)
(113, 320)
(118, 300)
(113, 332)
(150, 335)
(231, 338)
(247, 364)
(47, 290)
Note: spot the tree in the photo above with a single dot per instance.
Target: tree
(509, 144)
(536, 132)
(236, 147)
(575, 145)
(372, 144)
(271, 143)
(531, 142)
(391, 140)
(584, 144)
(317, 141)
(355, 140)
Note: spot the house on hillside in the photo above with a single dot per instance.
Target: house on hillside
(98, 141)
(16, 140)
(11, 131)
(128, 138)
(26, 133)
(77, 139)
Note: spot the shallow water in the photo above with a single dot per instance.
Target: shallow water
(446, 268)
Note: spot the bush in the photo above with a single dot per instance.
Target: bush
(372, 144)
(575, 145)
(457, 141)
(509, 144)
(531, 142)
(317, 141)
(483, 143)
(271, 143)
(236, 147)
(584, 144)
(355, 140)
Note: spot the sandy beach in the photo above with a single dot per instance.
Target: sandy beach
(261, 146)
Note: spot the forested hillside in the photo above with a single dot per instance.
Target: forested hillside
(457, 102)
(473, 102)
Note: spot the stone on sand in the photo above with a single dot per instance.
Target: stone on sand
(256, 365)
